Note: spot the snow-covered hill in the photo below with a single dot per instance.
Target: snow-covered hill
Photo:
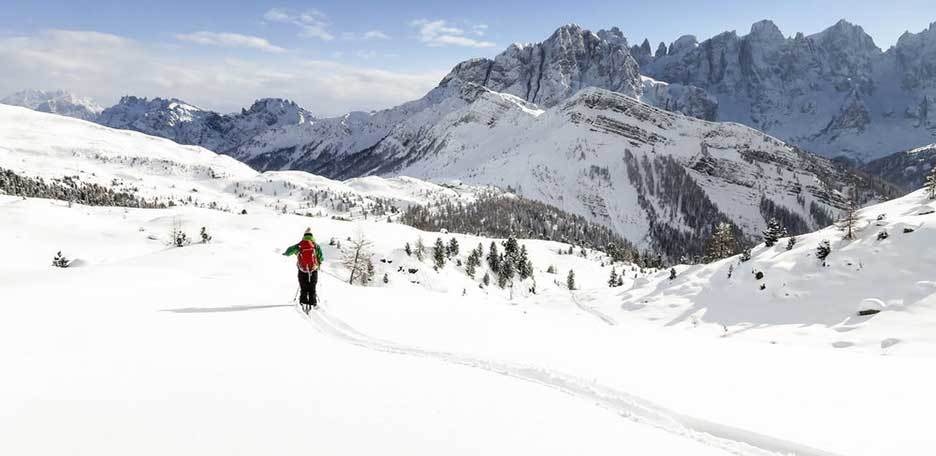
(56, 102)
(202, 344)
(38, 145)
(833, 93)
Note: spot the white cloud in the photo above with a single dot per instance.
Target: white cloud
(439, 33)
(366, 55)
(229, 40)
(375, 35)
(106, 67)
(312, 23)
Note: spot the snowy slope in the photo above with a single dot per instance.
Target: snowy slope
(201, 346)
(41, 145)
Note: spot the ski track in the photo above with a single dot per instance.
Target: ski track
(730, 439)
(593, 311)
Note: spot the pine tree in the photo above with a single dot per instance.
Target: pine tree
(386, 278)
(493, 258)
(506, 274)
(791, 242)
(452, 248)
(773, 232)
(474, 260)
(524, 266)
(823, 251)
(551, 269)
(931, 183)
(408, 249)
(486, 280)
(570, 280)
(613, 279)
(438, 254)
(722, 244)
(511, 249)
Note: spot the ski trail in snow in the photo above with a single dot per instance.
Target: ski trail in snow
(730, 439)
(593, 311)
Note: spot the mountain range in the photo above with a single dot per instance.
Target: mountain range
(570, 121)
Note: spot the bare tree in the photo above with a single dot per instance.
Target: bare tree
(358, 259)
(848, 221)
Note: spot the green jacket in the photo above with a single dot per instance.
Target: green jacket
(294, 249)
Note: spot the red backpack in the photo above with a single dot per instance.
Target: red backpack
(307, 259)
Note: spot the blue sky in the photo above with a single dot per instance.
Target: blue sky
(334, 56)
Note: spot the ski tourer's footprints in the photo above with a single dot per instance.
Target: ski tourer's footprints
(727, 438)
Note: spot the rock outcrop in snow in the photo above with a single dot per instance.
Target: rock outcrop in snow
(834, 92)
(56, 102)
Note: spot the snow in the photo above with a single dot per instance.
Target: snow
(140, 348)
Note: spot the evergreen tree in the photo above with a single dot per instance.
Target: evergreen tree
(773, 232)
(493, 258)
(745, 255)
(551, 269)
(722, 244)
(486, 280)
(613, 279)
(507, 272)
(438, 254)
(474, 260)
(524, 265)
(408, 249)
(511, 249)
(823, 251)
(570, 280)
(452, 248)
(672, 273)
(791, 242)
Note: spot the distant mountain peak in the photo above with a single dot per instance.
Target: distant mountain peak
(57, 101)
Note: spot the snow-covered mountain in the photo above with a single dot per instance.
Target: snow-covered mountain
(56, 102)
(833, 93)
(908, 169)
(566, 122)
(660, 179)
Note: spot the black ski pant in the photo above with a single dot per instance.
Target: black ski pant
(307, 282)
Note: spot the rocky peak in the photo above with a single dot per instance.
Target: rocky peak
(683, 43)
(55, 102)
(548, 72)
(766, 31)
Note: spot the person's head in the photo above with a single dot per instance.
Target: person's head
(308, 235)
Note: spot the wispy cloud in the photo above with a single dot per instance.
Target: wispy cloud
(105, 67)
(312, 23)
(375, 35)
(437, 33)
(229, 40)
(479, 29)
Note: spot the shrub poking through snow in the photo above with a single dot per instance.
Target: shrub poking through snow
(570, 280)
(408, 249)
(386, 278)
(823, 251)
(205, 237)
(672, 273)
(791, 242)
(177, 236)
(882, 235)
(60, 261)
(486, 280)
(551, 269)
(745, 255)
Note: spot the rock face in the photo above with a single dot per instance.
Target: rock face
(834, 92)
(907, 169)
(549, 72)
(56, 102)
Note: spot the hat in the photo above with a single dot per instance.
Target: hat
(308, 231)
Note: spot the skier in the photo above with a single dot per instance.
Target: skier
(309, 258)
